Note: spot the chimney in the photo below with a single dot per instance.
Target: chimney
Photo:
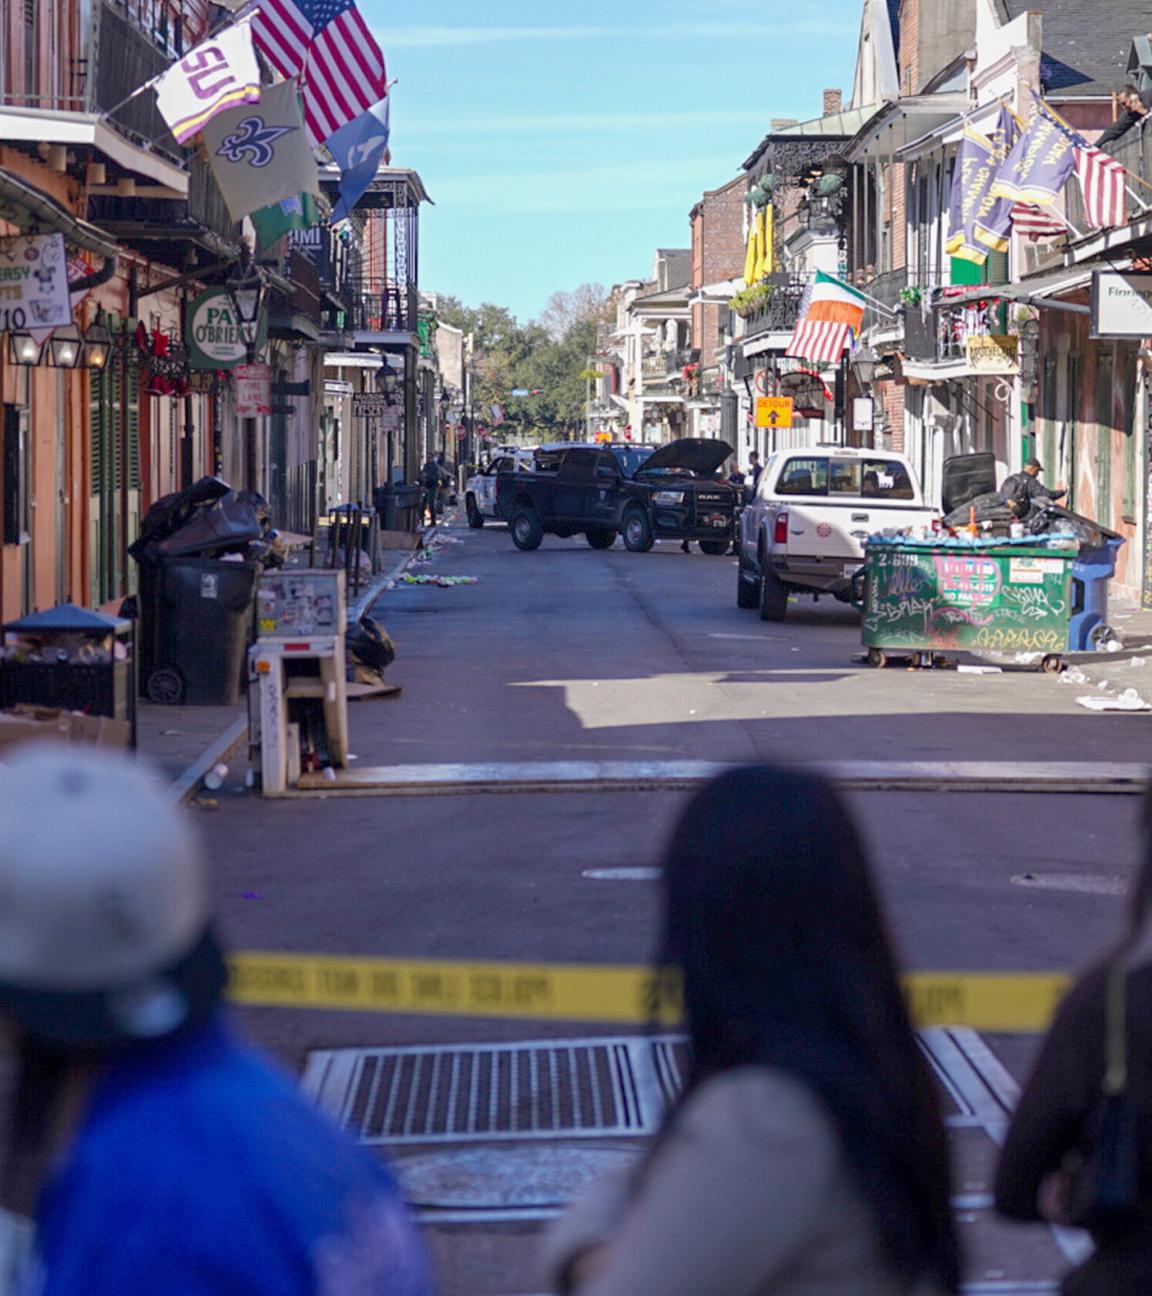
(833, 102)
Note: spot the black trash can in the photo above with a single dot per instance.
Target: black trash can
(400, 507)
(73, 659)
(195, 628)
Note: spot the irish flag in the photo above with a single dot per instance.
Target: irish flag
(830, 315)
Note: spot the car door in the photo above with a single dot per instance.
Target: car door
(603, 501)
(487, 485)
(573, 482)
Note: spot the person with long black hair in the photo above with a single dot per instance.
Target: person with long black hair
(806, 1155)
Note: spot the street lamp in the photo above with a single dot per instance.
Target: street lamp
(23, 349)
(65, 347)
(246, 292)
(865, 362)
(97, 347)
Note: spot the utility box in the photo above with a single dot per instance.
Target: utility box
(298, 698)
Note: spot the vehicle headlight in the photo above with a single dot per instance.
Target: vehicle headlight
(668, 497)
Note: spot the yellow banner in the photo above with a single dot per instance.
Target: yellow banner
(617, 994)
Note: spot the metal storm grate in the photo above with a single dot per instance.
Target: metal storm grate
(534, 1089)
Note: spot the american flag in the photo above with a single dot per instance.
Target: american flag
(1034, 222)
(327, 44)
(819, 341)
(1102, 181)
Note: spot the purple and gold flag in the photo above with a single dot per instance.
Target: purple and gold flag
(980, 220)
(1042, 159)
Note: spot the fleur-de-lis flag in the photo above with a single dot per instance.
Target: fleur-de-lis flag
(260, 154)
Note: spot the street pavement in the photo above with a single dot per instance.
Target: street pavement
(571, 654)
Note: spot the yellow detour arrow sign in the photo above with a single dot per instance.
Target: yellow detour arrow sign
(986, 1001)
(773, 411)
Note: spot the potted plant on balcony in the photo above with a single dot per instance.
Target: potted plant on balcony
(913, 295)
(749, 301)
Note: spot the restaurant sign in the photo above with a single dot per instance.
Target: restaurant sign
(1121, 304)
(212, 329)
(993, 355)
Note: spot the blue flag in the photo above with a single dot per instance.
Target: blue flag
(1040, 162)
(358, 149)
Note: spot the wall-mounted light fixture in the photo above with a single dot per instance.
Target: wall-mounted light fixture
(65, 347)
(97, 347)
(23, 349)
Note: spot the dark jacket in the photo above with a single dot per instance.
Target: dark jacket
(1121, 126)
(1020, 491)
(1052, 1116)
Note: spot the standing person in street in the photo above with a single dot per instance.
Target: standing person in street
(157, 1151)
(431, 478)
(755, 468)
(1020, 490)
(1059, 1143)
(806, 1155)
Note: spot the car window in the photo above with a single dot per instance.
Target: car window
(885, 479)
(499, 466)
(606, 467)
(804, 477)
(578, 465)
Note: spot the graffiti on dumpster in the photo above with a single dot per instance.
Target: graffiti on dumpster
(928, 599)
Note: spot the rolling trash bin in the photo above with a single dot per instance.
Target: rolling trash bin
(196, 624)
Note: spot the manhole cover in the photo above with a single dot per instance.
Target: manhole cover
(505, 1178)
(1083, 883)
(623, 874)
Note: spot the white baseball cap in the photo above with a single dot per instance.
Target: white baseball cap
(104, 923)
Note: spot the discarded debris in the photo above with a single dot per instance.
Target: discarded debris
(980, 670)
(1129, 700)
(444, 582)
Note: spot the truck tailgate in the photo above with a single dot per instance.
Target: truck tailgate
(838, 531)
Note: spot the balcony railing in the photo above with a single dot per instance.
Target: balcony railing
(204, 209)
(1133, 151)
(385, 308)
(124, 58)
(779, 313)
(658, 366)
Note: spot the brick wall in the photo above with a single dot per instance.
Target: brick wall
(909, 46)
(833, 102)
(890, 398)
(722, 218)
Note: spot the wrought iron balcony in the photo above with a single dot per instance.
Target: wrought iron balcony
(128, 49)
(779, 313)
(385, 308)
(201, 217)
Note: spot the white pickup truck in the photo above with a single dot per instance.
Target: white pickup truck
(804, 530)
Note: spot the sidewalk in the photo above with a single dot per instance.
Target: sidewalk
(187, 742)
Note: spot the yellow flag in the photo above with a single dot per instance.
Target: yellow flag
(768, 256)
(752, 261)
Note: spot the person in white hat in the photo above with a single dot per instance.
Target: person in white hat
(156, 1151)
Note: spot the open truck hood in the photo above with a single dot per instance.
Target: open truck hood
(700, 456)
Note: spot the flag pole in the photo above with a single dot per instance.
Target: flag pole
(1068, 125)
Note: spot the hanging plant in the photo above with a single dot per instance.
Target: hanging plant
(749, 301)
(912, 296)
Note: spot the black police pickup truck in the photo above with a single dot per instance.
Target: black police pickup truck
(644, 493)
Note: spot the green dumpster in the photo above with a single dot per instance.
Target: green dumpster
(926, 597)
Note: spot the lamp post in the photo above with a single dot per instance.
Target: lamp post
(445, 404)
(246, 291)
(388, 386)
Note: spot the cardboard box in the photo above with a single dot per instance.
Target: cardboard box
(35, 724)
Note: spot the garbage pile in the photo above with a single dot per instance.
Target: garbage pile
(369, 651)
(996, 520)
(210, 520)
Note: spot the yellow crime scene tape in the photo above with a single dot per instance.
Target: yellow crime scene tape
(1006, 1002)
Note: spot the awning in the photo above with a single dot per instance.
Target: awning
(23, 204)
(898, 123)
(1049, 285)
(37, 125)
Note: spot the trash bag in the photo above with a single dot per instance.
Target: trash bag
(171, 512)
(368, 644)
(1050, 517)
(226, 525)
(988, 509)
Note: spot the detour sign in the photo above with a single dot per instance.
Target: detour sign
(773, 411)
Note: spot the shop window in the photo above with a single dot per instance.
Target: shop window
(15, 456)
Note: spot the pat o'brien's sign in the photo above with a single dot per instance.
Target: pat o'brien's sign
(212, 330)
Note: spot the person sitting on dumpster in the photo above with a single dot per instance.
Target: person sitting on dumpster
(1022, 490)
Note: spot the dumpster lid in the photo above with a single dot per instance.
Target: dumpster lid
(965, 477)
(70, 618)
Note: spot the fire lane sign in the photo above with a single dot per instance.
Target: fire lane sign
(773, 411)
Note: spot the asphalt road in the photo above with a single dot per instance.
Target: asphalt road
(572, 654)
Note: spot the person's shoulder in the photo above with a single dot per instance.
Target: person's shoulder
(761, 1102)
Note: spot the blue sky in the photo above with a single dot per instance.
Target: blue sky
(563, 144)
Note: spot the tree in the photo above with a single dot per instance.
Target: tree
(564, 310)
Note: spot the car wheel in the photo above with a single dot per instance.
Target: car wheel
(717, 548)
(637, 531)
(165, 687)
(475, 517)
(526, 530)
(773, 596)
(601, 537)
(747, 587)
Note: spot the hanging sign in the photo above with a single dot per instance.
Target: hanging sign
(993, 354)
(253, 390)
(212, 331)
(369, 405)
(1121, 304)
(34, 283)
